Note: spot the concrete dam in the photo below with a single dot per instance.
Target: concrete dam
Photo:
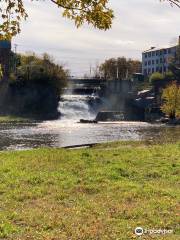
(113, 99)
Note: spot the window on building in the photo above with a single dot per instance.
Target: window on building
(157, 69)
(157, 53)
(153, 62)
(145, 55)
(165, 51)
(157, 61)
(153, 53)
(149, 62)
(145, 63)
(160, 60)
(149, 54)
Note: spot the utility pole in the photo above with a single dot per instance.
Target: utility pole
(117, 73)
(90, 70)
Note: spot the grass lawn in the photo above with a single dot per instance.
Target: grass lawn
(102, 193)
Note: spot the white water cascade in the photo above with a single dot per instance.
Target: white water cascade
(75, 107)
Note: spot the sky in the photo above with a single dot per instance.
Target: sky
(138, 25)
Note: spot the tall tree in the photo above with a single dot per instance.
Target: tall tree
(120, 68)
(95, 12)
(174, 65)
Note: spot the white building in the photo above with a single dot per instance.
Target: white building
(157, 59)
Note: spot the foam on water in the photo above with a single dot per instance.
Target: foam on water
(75, 107)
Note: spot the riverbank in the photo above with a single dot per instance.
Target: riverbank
(13, 119)
(100, 193)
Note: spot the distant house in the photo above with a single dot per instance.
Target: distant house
(158, 59)
(5, 52)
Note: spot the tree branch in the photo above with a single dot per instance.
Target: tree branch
(175, 2)
(67, 7)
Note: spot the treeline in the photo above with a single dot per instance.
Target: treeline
(119, 68)
(35, 86)
(30, 69)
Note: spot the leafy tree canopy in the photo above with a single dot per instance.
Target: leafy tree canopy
(94, 12)
(171, 97)
(35, 70)
(167, 76)
(120, 68)
(156, 77)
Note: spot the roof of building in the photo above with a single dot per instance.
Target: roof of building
(158, 48)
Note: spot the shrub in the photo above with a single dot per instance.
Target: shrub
(171, 97)
(156, 77)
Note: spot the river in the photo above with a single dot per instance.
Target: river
(67, 131)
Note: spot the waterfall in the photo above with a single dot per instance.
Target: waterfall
(75, 107)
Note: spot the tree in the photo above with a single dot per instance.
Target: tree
(120, 68)
(171, 98)
(156, 77)
(35, 87)
(169, 76)
(95, 12)
(34, 70)
(174, 65)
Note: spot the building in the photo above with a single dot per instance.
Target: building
(5, 54)
(158, 59)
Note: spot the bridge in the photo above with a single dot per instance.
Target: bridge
(87, 81)
(86, 85)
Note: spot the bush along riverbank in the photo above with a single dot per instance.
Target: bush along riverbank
(34, 90)
(100, 193)
(13, 119)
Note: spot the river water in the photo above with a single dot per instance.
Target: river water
(67, 131)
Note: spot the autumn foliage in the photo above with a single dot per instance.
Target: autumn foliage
(171, 98)
(94, 12)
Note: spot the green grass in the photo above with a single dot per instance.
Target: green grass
(12, 119)
(101, 193)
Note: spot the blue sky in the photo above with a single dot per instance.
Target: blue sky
(138, 25)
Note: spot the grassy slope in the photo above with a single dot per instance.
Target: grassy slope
(99, 193)
(12, 119)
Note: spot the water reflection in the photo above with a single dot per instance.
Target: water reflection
(64, 133)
